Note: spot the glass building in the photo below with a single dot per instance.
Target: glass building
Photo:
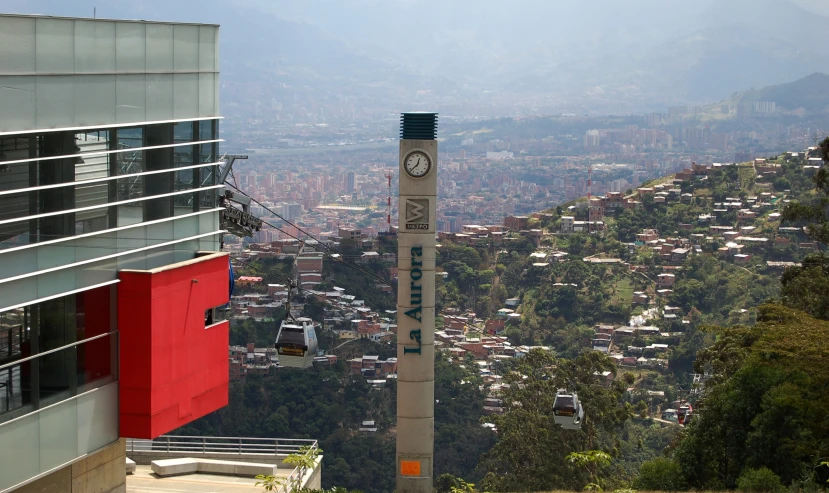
(108, 164)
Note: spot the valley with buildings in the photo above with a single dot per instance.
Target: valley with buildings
(634, 276)
(330, 247)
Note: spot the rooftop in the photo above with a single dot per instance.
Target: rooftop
(98, 19)
(144, 481)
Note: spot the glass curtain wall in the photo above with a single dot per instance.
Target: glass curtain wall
(206, 153)
(54, 350)
(72, 157)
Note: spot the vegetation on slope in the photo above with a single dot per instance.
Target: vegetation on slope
(765, 403)
(531, 451)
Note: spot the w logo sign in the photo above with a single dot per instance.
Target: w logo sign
(417, 213)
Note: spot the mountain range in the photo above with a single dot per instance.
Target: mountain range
(646, 53)
(810, 93)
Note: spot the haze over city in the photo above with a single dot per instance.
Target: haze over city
(493, 58)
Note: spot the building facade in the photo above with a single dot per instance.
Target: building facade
(110, 274)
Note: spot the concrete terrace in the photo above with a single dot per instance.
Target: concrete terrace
(144, 481)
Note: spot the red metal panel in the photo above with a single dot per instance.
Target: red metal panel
(173, 369)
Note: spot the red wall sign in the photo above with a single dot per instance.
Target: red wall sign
(173, 368)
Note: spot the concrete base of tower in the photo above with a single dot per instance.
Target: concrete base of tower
(414, 485)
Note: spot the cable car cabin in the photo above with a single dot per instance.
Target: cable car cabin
(567, 410)
(684, 414)
(296, 345)
(670, 415)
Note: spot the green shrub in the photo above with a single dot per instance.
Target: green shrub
(446, 483)
(759, 480)
(660, 474)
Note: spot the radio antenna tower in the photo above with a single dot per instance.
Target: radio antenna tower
(589, 194)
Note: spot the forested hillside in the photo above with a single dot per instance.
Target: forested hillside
(688, 282)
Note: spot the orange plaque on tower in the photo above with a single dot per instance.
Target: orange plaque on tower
(410, 468)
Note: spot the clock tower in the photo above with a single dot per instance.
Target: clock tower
(416, 302)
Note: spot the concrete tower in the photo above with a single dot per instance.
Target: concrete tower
(416, 302)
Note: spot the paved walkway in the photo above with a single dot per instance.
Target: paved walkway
(144, 481)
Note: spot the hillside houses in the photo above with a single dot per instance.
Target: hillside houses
(614, 341)
(483, 348)
(373, 367)
(250, 360)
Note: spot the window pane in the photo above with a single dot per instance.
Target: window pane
(13, 148)
(15, 206)
(15, 175)
(92, 221)
(130, 161)
(56, 372)
(56, 322)
(131, 187)
(184, 156)
(162, 183)
(15, 332)
(183, 132)
(207, 153)
(95, 363)
(130, 138)
(17, 233)
(130, 214)
(206, 131)
(15, 390)
(183, 180)
(159, 208)
(52, 172)
(92, 141)
(48, 378)
(207, 198)
(184, 203)
(92, 312)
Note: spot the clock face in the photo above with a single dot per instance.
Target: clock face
(417, 164)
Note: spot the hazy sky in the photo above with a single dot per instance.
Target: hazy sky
(705, 48)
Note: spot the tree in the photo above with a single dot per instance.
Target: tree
(592, 461)
(806, 287)
(765, 401)
(814, 214)
(689, 293)
(627, 225)
(660, 474)
(762, 480)
(303, 460)
(531, 451)
(576, 245)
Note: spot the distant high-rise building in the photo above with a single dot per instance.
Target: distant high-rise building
(291, 211)
(349, 182)
(591, 139)
(765, 107)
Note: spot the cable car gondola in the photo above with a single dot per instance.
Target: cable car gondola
(567, 410)
(296, 345)
(684, 414)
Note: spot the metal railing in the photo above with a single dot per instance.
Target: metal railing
(294, 478)
(219, 445)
